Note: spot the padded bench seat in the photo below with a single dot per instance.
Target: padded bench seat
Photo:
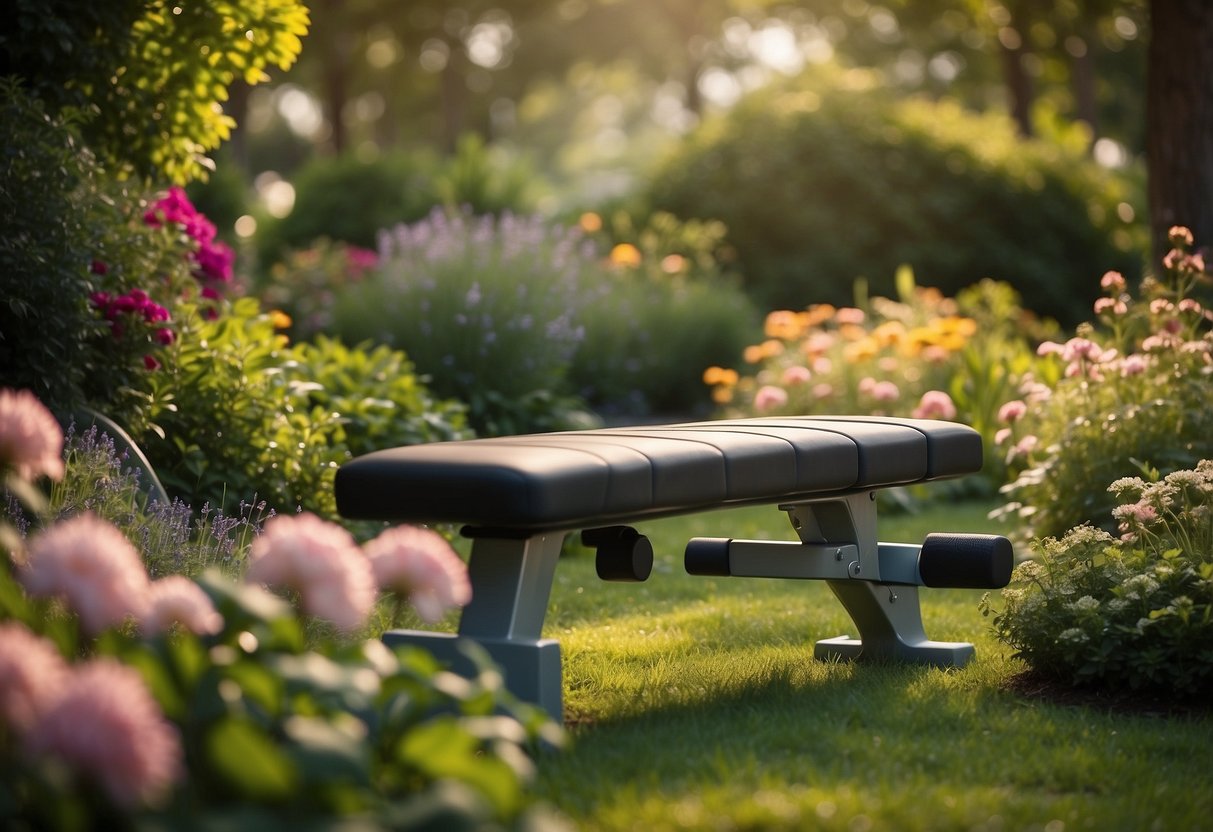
(591, 478)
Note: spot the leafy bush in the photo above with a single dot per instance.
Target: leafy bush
(349, 200)
(149, 82)
(664, 313)
(833, 178)
(132, 702)
(305, 284)
(1127, 394)
(238, 412)
(76, 269)
(487, 308)
(1098, 611)
(922, 355)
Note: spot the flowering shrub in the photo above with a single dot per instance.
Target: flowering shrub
(486, 307)
(171, 702)
(1096, 610)
(1127, 394)
(922, 356)
(661, 311)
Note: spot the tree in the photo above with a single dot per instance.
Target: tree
(1179, 140)
(146, 77)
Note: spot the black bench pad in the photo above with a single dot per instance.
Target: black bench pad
(579, 479)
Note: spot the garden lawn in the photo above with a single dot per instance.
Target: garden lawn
(695, 702)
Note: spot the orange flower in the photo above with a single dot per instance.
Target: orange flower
(280, 319)
(720, 375)
(626, 255)
(590, 222)
(783, 324)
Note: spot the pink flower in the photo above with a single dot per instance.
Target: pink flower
(1179, 235)
(178, 600)
(1112, 305)
(1025, 446)
(1113, 282)
(1001, 435)
(421, 565)
(31, 441)
(1049, 348)
(320, 561)
(34, 674)
(823, 390)
(106, 725)
(885, 391)
(769, 397)
(1133, 365)
(91, 565)
(1012, 411)
(796, 374)
(360, 260)
(935, 404)
(849, 315)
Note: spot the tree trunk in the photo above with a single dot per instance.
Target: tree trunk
(1179, 120)
(1017, 80)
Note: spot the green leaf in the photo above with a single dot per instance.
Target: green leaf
(249, 761)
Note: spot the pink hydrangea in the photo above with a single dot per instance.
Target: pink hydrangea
(31, 441)
(107, 726)
(34, 674)
(321, 562)
(935, 404)
(90, 564)
(770, 397)
(178, 600)
(420, 565)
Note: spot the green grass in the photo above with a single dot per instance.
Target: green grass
(695, 703)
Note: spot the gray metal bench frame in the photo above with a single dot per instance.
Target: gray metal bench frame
(519, 497)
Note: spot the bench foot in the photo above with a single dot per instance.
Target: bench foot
(530, 668)
(934, 653)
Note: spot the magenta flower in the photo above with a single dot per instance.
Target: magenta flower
(91, 565)
(31, 441)
(769, 397)
(34, 674)
(106, 725)
(935, 404)
(214, 262)
(420, 565)
(178, 600)
(321, 562)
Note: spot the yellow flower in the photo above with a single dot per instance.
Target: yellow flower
(280, 319)
(625, 254)
(590, 222)
(722, 395)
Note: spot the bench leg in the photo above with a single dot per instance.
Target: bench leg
(887, 615)
(511, 584)
(889, 620)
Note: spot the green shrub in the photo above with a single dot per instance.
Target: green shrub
(1098, 611)
(488, 309)
(350, 200)
(1127, 394)
(239, 414)
(833, 178)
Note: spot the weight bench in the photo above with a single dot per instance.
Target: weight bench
(519, 496)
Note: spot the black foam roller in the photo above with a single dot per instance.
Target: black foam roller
(969, 561)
